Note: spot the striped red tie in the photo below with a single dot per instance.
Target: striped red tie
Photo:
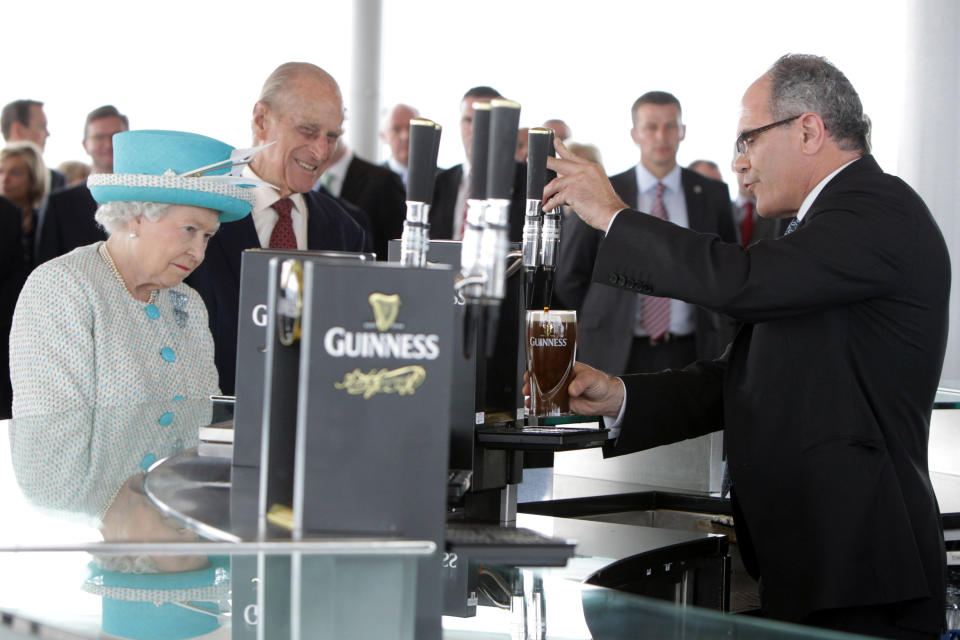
(746, 225)
(656, 311)
(282, 236)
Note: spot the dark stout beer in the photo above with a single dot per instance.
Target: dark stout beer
(551, 350)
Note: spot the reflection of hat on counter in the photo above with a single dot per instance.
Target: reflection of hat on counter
(176, 168)
(161, 606)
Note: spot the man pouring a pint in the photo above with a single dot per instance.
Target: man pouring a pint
(826, 392)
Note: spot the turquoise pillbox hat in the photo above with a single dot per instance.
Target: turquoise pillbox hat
(174, 167)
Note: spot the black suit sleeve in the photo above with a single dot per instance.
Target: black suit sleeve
(666, 407)
(856, 248)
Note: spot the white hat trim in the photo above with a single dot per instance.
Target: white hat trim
(170, 180)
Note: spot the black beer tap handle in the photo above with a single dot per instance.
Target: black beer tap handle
(540, 140)
(422, 160)
(504, 121)
(479, 151)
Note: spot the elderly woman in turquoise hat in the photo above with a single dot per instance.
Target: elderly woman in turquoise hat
(113, 323)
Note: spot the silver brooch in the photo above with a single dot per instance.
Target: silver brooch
(180, 314)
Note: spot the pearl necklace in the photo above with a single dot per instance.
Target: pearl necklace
(116, 272)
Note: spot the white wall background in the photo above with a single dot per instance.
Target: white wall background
(199, 65)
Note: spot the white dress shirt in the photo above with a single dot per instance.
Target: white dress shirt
(265, 216)
(808, 201)
(398, 169)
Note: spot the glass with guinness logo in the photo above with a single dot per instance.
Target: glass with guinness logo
(551, 339)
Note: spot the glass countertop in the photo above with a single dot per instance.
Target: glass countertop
(103, 558)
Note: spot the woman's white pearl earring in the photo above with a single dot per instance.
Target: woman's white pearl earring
(132, 235)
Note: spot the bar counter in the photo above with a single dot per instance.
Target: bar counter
(85, 553)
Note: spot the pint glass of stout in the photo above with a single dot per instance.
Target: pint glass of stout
(551, 351)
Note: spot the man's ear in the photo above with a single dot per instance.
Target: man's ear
(683, 132)
(17, 130)
(813, 132)
(260, 113)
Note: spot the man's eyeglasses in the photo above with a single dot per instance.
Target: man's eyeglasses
(747, 137)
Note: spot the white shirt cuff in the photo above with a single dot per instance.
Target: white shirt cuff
(614, 423)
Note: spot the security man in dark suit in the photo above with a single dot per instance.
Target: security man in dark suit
(374, 189)
(452, 187)
(66, 220)
(825, 394)
(616, 332)
(300, 111)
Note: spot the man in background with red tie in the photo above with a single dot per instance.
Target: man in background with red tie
(629, 332)
(300, 111)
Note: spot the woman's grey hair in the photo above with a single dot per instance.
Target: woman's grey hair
(126, 564)
(33, 156)
(114, 216)
(801, 83)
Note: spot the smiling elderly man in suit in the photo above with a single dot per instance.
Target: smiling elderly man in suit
(628, 332)
(825, 394)
(300, 110)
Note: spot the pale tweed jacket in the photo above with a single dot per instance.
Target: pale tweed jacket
(80, 340)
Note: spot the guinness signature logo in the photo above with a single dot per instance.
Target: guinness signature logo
(385, 309)
(403, 381)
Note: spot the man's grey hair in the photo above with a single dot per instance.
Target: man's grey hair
(114, 216)
(279, 82)
(801, 83)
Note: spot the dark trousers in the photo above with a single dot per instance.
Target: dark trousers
(647, 357)
(876, 620)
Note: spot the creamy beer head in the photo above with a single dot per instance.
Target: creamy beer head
(551, 342)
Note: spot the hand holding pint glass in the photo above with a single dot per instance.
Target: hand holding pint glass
(551, 339)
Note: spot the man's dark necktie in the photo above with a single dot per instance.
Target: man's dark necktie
(794, 223)
(746, 225)
(282, 236)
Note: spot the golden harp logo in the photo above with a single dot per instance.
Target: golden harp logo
(385, 309)
(403, 381)
(547, 329)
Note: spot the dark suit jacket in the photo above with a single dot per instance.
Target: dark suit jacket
(380, 193)
(217, 279)
(825, 395)
(606, 313)
(359, 215)
(68, 223)
(445, 201)
(57, 180)
(11, 279)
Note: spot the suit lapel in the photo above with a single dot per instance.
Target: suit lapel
(352, 179)
(441, 226)
(233, 238)
(696, 208)
(625, 184)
